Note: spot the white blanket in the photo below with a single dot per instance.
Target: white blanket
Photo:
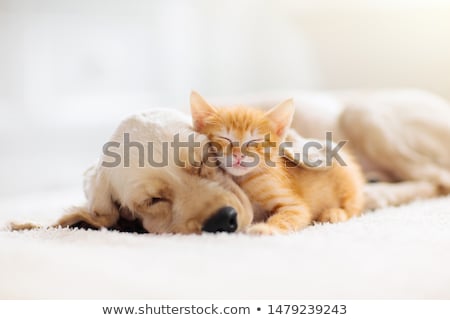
(391, 253)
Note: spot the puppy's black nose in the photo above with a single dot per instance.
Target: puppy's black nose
(224, 220)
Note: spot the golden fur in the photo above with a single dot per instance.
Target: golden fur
(166, 199)
(288, 198)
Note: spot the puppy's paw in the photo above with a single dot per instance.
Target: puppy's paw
(263, 229)
(23, 226)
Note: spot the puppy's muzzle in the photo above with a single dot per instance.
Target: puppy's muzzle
(224, 220)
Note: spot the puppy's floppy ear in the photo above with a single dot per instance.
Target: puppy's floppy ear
(101, 205)
(200, 110)
(281, 116)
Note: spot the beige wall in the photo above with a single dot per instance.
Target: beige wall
(70, 70)
(397, 43)
(83, 56)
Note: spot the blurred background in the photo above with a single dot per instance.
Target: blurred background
(70, 70)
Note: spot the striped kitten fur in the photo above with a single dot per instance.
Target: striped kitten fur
(285, 198)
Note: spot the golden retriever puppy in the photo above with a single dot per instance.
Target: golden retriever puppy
(151, 171)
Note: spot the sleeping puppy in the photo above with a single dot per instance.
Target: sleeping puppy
(146, 181)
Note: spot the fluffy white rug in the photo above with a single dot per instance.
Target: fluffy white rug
(391, 253)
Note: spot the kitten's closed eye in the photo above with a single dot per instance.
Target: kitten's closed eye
(224, 143)
(226, 139)
(254, 143)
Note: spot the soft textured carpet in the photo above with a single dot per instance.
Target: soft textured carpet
(391, 253)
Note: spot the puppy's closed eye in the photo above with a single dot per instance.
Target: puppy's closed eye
(155, 200)
(153, 206)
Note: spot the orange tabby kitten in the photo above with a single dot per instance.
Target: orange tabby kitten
(287, 198)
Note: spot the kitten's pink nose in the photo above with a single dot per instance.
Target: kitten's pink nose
(237, 157)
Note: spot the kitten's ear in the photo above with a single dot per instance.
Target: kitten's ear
(281, 117)
(200, 110)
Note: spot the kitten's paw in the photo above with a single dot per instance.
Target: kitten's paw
(263, 229)
(334, 215)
